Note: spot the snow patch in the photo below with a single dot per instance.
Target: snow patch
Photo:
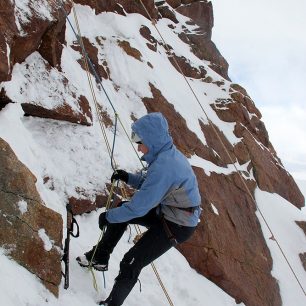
(46, 240)
(26, 9)
(8, 55)
(281, 216)
(33, 82)
(23, 206)
(210, 167)
(215, 210)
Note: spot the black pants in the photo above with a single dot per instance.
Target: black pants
(150, 246)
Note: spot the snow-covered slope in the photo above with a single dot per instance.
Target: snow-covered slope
(74, 158)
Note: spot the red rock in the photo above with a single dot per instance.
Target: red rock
(184, 139)
(19, 234)
(165, 12)
(52, 43)
(200, 12)
(21, 43)
(129, 50)
(269, 172)
(229, 248)
(8, 29)
(48, 103)
(174, 3)
(146, 33)
(4, 99)
(92, 52)
(302, 225)
(213, 136)
(182, 65)
(205, 49)
(128, 5)
(63, 112)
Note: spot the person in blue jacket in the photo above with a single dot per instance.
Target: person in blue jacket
(167, 202)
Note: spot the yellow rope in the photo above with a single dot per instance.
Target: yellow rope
(109, 150)
(90, 82)
(138, 231)
(224, 147)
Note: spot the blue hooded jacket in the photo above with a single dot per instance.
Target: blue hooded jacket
(170, 180)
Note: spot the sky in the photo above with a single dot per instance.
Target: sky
(265, 47)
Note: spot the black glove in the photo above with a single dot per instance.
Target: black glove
(102, 220)
(120, 175)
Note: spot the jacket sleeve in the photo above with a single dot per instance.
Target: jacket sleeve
(151, 193)
(136, 179)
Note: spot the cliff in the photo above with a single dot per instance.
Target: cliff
(148, 56)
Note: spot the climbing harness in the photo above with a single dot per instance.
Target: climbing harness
(71, 222)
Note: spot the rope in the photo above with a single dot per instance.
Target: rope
(138, 232)
(89, 66)
(88, 63)
(224, 147)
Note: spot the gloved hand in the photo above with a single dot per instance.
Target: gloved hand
(120, 175)
(102, 220)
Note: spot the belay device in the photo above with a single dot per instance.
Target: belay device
(71, 221)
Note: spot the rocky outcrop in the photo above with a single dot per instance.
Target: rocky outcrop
(186, 141)
(182, 65)
(40, 27)
(208, 250)
(302, 225)
(229, 248)
(201, 13)
(30, 233)
(92, 53)
(270, 174)
(54, 96)
(122, 6)
(80, 206)
(4, 99)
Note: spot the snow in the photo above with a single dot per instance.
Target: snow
(172, 267)
(8, 54)
(45, 238)
(25, 9)
(281, 217)
(39, 85)
(215, 210)
(23, 206)
(210, 167)
(76, 161)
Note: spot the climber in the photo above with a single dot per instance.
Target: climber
(167, 203)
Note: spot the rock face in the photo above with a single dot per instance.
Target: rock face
(201, 13)
(228, 247)
(122, 6)
(208, 250)
(21, 37)
(30, 233)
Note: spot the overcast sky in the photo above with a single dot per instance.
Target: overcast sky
(264, 42)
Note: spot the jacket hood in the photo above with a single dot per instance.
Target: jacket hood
(154, 132)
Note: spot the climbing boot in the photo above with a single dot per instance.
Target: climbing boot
(84, 262)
